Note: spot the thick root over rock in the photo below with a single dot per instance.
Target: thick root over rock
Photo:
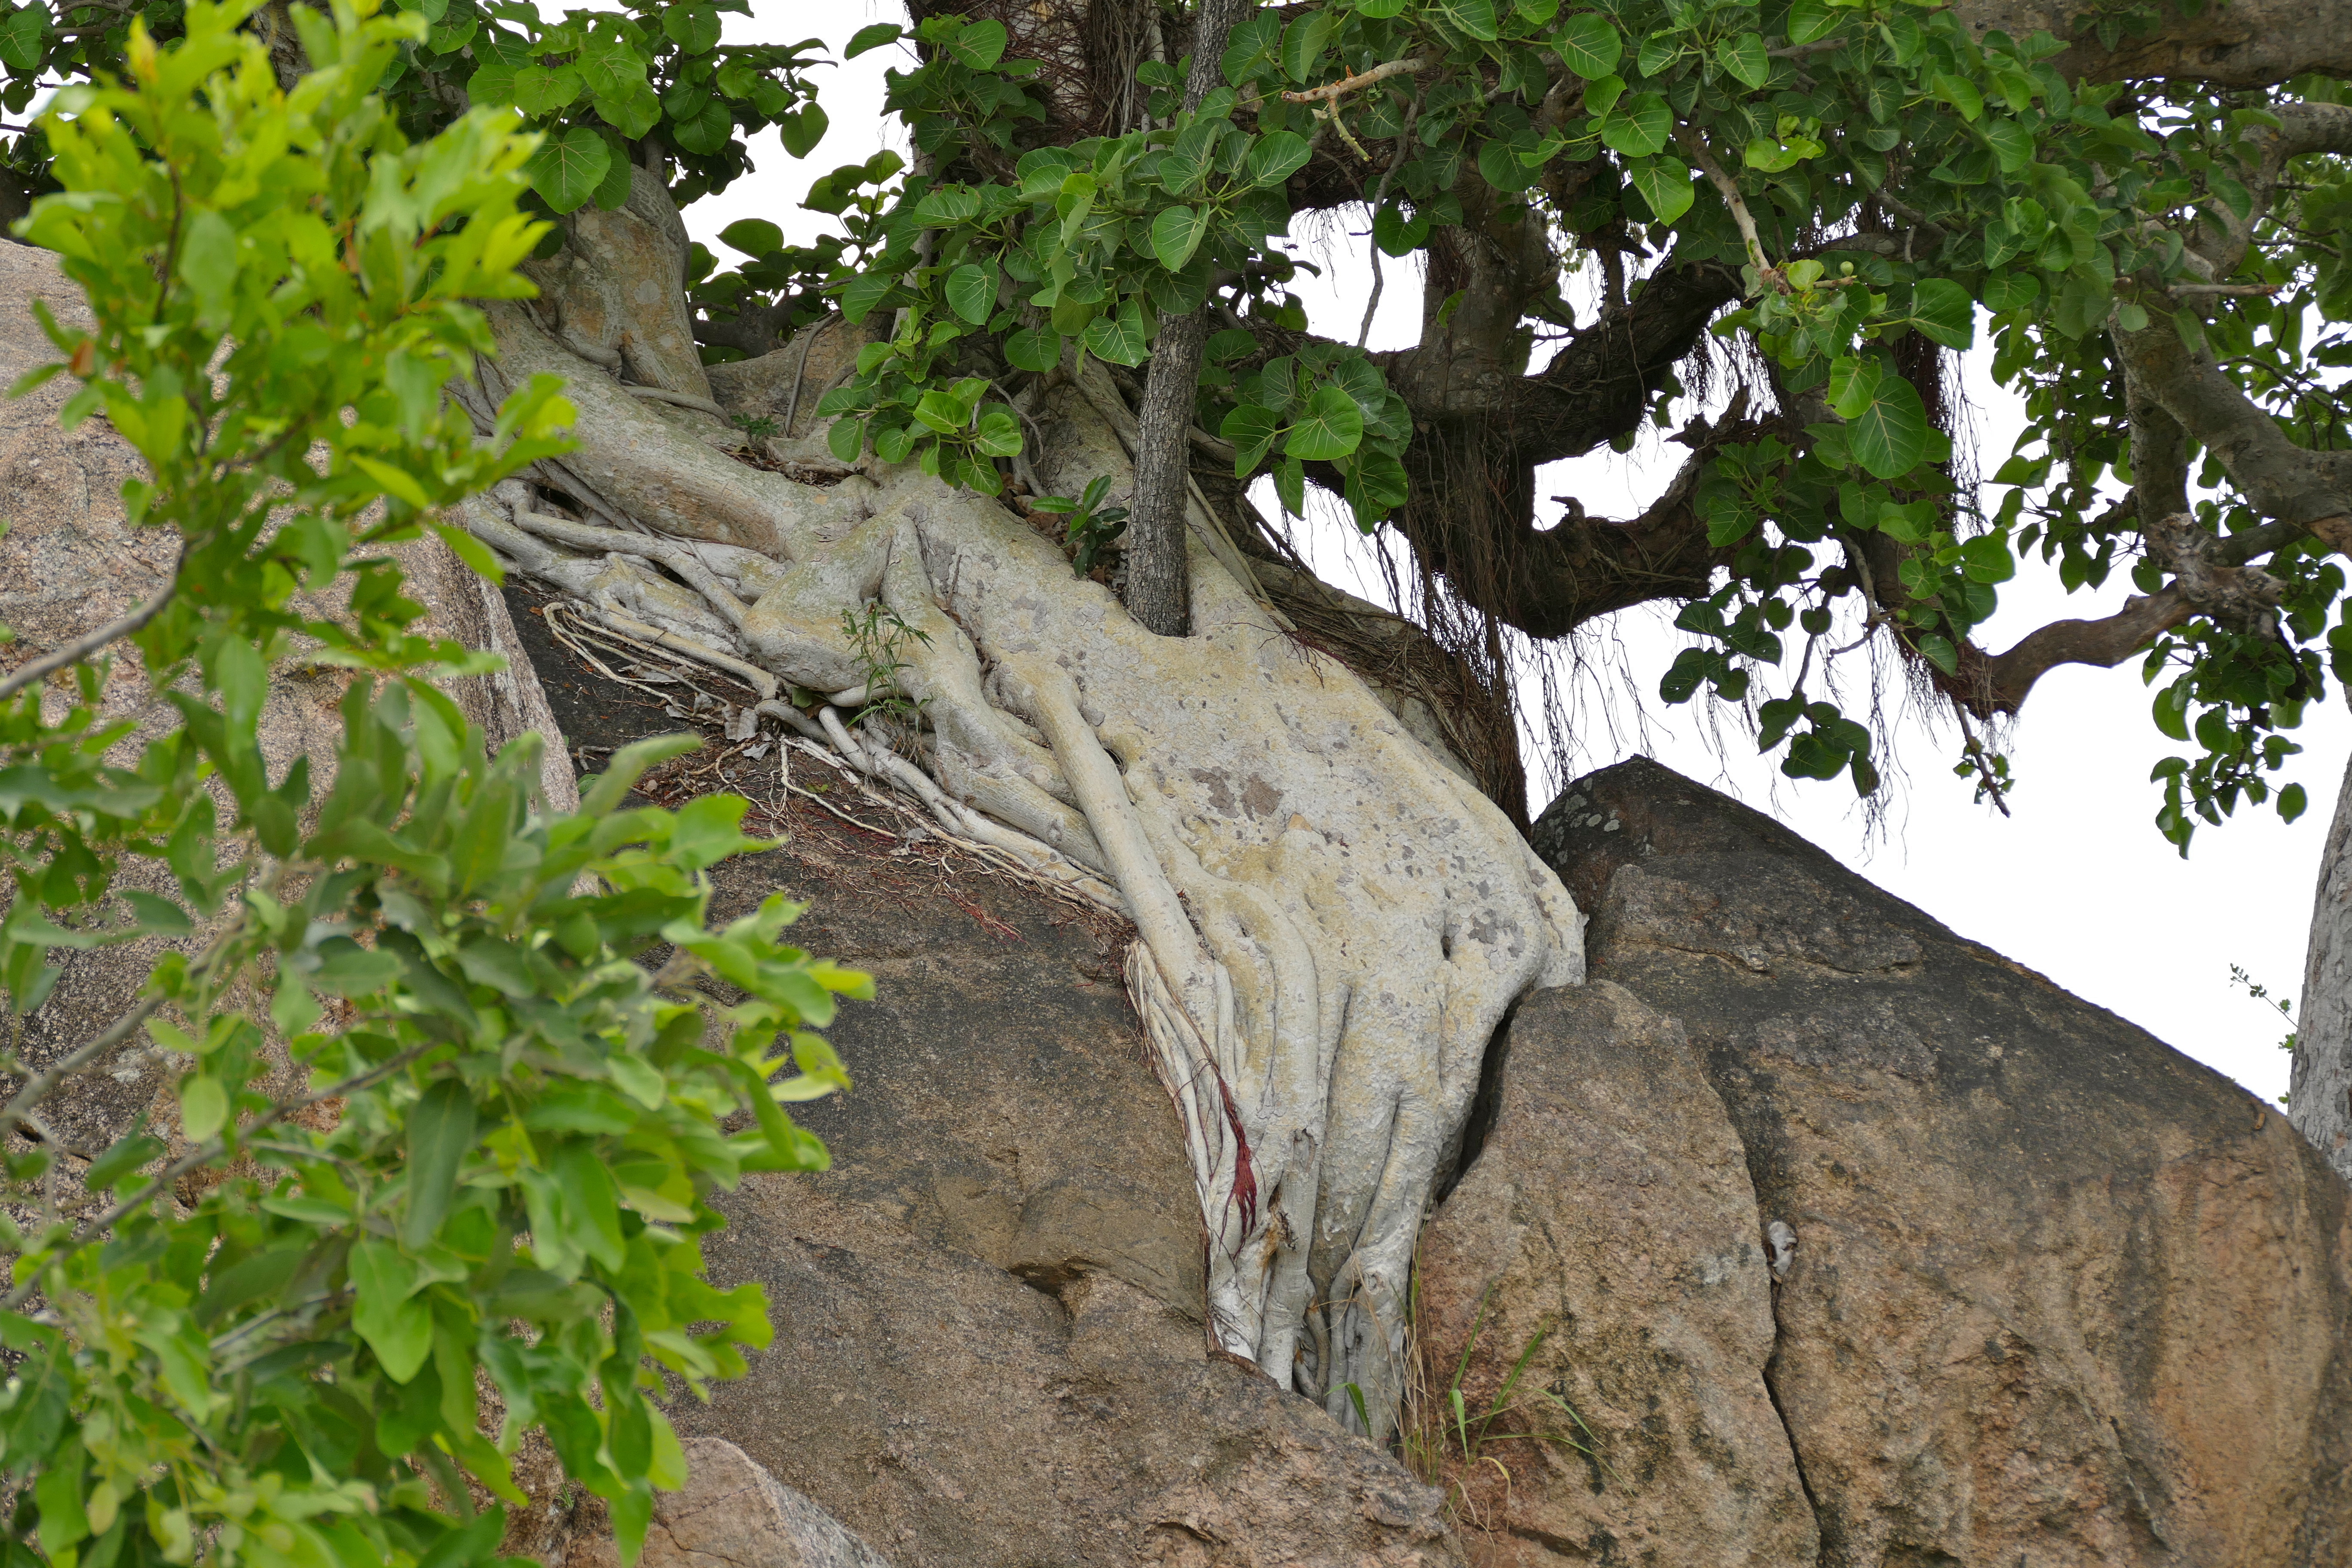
(1333, 923)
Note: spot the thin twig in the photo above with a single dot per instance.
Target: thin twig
(73, 653)
(1347, 85)
(1766, 273)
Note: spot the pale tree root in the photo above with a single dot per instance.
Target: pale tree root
(1332, 922)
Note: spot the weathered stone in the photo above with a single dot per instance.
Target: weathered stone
(2059, 1295)
(1602, 1260)
(733, 1514)
(989, 1347)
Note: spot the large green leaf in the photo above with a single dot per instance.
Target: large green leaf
(753, 235)
(1278, 155)
(1034, 351)
(873, 37)
(1638, 127)
(1251, 430)
(1474, 18)
(1176, 234)
(1943, 310)
(980, 44)
(1665, 184)
(706, 130)
(1332, 426)
(694, 28)
(1744, 58)
(24, 38)
(395, 1324)
(567, 168)
(1303, 44)
(1590, 44)
(440, 1131)
(540, 91)
(1118, 339)
(803, 128)
(1890, 434)
(971, 292)
(633, 110)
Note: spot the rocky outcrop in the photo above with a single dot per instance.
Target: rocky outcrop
(989, 1347)
(2057, 1295)
(733, 1514)
(1598, 1271)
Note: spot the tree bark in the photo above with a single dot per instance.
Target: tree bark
(2319, 1093)
(1158, 580)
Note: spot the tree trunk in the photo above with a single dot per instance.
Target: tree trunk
(2319, 1094)
(1157, 588)
(1333, 923)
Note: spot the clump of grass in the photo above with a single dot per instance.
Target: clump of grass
(1448, 1441)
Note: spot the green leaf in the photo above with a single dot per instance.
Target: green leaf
(803, 128)
(1118, 339)
(1251, 431)
(940, 411)
(1960, 93)
(998, 435)
(707, 129)
(567, 168)
(1303, 44)
(128, 1153)
(395, 1324)
(632, 111)
(971, 292)
(203, 1109)
(1809, 20)
(1034, 351)
(1744, 58)
(1291, 487)
(1591, 44)
(1942, 309)
(1638, 127)
(753, 235)
(440, 1131)
(25, 38)
(979, 45)
(540, 91)
(694, 28)
(872, 37)
(1332, 426)
(208, 259)
(1276, 157)
(1939, 652)
(1889, 436)
(1665, 184)
(1474, 19)
(1176, 234)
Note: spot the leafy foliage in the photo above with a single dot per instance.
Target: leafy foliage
(263, 1341)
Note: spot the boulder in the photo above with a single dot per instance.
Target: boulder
(1595, 1289)
(733, 1514)
(2050, 1293)
(990, 1348)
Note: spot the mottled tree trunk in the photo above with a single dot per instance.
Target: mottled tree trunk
(2319, 1098)
(1158, 593)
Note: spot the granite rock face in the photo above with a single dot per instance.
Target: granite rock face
(1602, 1261)
(733, 1514)
(2058, 1295)
(989, 1341)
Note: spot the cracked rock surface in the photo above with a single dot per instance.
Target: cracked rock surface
(2056, 1295)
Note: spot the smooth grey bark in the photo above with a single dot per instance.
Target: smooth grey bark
(2319, 1093)
(1158, 582)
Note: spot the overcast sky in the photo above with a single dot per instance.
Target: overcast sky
(2077, 883)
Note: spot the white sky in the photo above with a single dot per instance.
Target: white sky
(2077, 884)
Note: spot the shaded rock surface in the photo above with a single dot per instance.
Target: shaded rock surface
(989, 1340)
(733, 1514)
(2059, 1295)
(1602, 1262)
